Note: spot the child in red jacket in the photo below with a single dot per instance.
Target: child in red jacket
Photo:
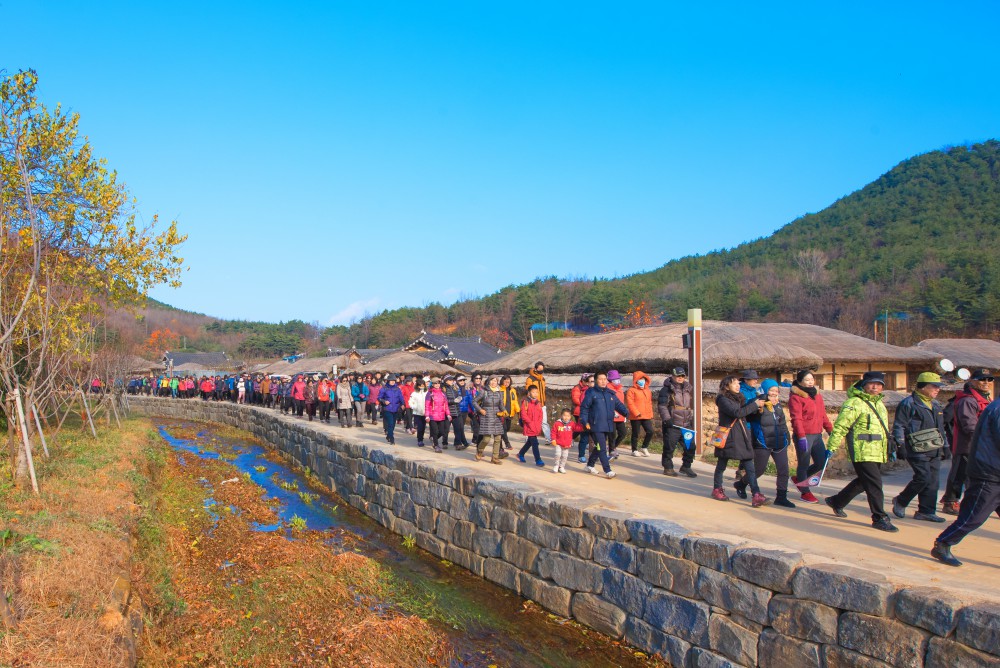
(562, 439)
(531, 420)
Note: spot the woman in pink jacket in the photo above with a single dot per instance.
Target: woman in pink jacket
(809, 421)
(436, 412)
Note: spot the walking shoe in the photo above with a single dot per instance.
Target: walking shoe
(583, 460)
(928, 517)
(883, 524)
(555, 469)
(759, 500)
(809, 497)
(943, 554)
(898, 509)
(591, 469)
(669, 471)
(562, 470)
(610, 474)
(521, 459)
(719, 494)
(741, 489)
(495, 461)
(782, 500)
(839, 512)
(504, 455)
(645, 452)
(420, 444)
(539, 463)
(613, 454)
(462, 447)
(950, 508)
(437, 448)
(635, 453)
(686, 471)
(479, 456)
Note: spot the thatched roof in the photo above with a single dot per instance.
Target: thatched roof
(302, 365)
(402, 361)
(726, 346)
(971, 353)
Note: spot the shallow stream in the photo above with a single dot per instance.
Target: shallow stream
(487, 625)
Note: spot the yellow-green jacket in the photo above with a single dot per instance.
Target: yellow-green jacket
(863, 424)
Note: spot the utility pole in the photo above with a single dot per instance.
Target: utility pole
(693, 344)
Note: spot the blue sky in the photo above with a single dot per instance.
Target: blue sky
(331, 158)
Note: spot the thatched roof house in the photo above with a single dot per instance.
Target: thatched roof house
(969, 353)
(774, 349)
(405, 362)
(305, 365)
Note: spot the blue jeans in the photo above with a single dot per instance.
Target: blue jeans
(532, 443)
(390, 425)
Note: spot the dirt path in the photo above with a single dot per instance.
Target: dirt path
(642, 489)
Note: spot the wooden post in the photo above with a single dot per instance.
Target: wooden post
(45, 446)
(24, 438)
(111, 400)
(86, 407)
(694, 366)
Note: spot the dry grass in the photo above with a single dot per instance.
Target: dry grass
(64, 550)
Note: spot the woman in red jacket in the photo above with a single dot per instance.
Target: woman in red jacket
(809, 421)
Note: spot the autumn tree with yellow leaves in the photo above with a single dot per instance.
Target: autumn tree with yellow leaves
(70, 247)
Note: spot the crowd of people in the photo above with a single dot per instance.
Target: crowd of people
(754, 429)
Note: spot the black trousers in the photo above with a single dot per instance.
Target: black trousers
(439, 430)
(621, 431)
(980, 501)
(458, 425)
(672, 438)
(925, 482)
(956, 477)
(647, 429)
(869, 481)
(420, 423)
(474, 420)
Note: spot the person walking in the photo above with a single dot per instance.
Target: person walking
(863, 425)
(470, 397)
(597, 413)
(359, 394)
(620, 430)
(417, 404)
(454, 389)
(344, 401)
(968, 404)
(738, 443)
(511, 407)
(918, 433)
(323, 388)
(576, 395)
(489, 408)
(562, 439)
(531, 419)
(982, 498)
(536, 378)
(770, 430)
(309, 397)
(639, 399)
(809, 420)
(675, 404)
(391, 398)
(437, 410)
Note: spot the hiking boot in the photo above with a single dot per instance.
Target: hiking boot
(759, 500)
(839, 512)
(669, 471)
(898, 509)
(719, 494)
(928, 517)
(943, 554)
(686, 471)
(809, 497)
(496, 460)
(741, 489)
(782, 500)
(883, 524)
(950, 507)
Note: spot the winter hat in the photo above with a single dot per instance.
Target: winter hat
(750, 374)
(391, 377)
(982, 374)
(614, 375)
(585, 376)
(768, 384)
(929, 378)
(872, 377)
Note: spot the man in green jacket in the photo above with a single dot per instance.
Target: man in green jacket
(863, 425)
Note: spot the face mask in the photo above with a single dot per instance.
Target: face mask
(642, 383)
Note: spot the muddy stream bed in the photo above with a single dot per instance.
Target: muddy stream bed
(480, 624)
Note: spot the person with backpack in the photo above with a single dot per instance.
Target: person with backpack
(734, 441)
(982, 499)
(960, 419)
(770, 431)
(863, 426)
(675, 404)
(918, 433)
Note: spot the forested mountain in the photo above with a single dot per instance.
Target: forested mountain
(919, 242)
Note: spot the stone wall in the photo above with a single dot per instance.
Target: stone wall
(699, 601)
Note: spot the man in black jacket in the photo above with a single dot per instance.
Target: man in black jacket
(676, 408)
(918, 431)
(983, 495)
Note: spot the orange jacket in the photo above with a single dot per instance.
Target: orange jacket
(620, 393)
(639, 399)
